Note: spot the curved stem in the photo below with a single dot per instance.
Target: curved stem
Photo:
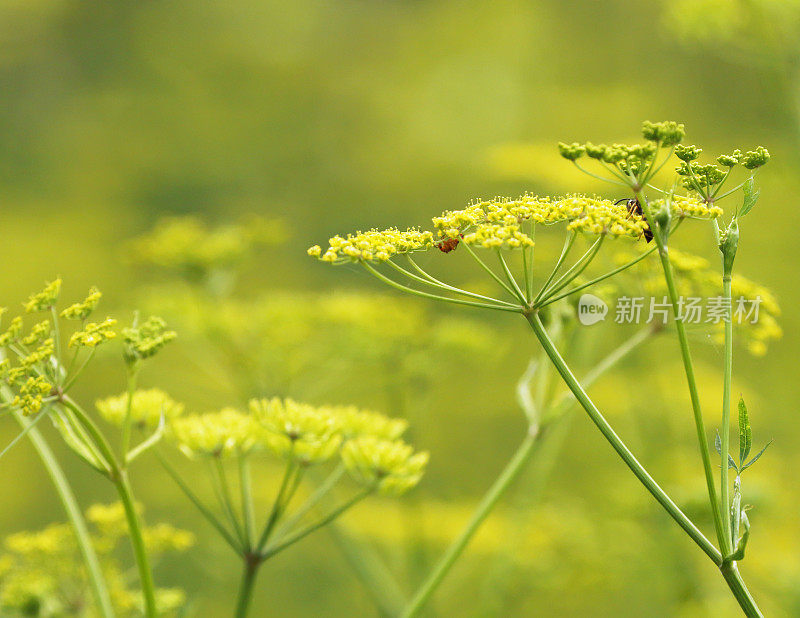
(515, 286)
(575, 270)
(457, 301)
(96, 578)
(430, 280)
(491, 273)
(618, 445)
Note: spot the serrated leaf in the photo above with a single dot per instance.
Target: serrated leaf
(745, 432)
(750, 197)
(731, 463)
(755, 459)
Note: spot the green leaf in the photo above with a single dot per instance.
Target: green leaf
(750, 197)
(745, 432)
(755, 459)
(718, 443)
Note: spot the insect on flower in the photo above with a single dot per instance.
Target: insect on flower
(448, 244)
(635, 208)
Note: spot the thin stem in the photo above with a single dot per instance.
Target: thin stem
(617, 444)
(128, 421)
(599, 279)
(80, 369)
(137, 541)
(322, 490)
(498, 488)
(248, 510)
(277, 506)
(564, 251)
(204, 510)
(728, 545)
(96, 578)
(28, 426)
(56, 334)
(517, 291)
(491, 273)
(525, 272)
(457, 301)
(297, 536)
(688, 367)
(225, 497)
(575, 270)
(588, 173)
(434, 281)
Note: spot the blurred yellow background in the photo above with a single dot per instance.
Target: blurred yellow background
(337, 115)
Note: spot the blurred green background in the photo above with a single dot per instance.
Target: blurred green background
(339, 115)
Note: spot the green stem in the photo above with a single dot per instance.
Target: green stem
(740, 591)
(499, 487)
(688, 367)
(457, 301)
(96, 579)
(575, 270)
(291, 539)
(564, 251)
(137, 541)
(491, 273)
(248, 510)
(728, 545)
(245, 597)
(515, 286)
(618, 445)
(128, 421)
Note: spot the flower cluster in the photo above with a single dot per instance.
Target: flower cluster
(93, 334)
(147, 409)
(224, 433)
(305, 434)
(144, 340)
(42, 573)
(391, 465)
(82, 310)
(373, 246)
(497, 222)
(31, 394)
(42, 301)
(705, 178)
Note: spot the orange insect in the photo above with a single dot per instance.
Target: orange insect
(447, 245)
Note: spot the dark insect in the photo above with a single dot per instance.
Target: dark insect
(635, 208)
(447, 245)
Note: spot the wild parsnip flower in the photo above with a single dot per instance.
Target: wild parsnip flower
(144, 340)
(12, 333)
(497, 223)
(390, 465)
(354, 422)
(147, 409)
(688, 207)
(82, 310)
(31, 394)
(298, 430)
(373, 245)
(42, 301)
(215, 434)
(38, 333)
(93, 334)
(42, 572)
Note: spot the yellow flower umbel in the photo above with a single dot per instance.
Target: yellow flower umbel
(44, 300)
(147, 410)
(296, 430)
(373, 246)
(42, 572)
(390, 465)
(225, 433)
